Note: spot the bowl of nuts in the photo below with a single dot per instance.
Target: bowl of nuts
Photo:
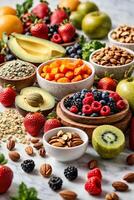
(112, 60)
(122, 36)
(17, 73)
(65, 143)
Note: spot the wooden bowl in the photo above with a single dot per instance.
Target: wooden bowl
(122, 124)
(94, 120)
(19, 83)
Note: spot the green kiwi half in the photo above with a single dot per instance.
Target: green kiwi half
(108, 141)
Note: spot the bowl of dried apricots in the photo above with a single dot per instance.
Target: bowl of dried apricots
(63, 76)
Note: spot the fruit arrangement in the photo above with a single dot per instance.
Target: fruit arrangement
(55, 100)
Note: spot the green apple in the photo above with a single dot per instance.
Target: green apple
(87, 7)
(125, 89)
(96, 25)
(76, 18)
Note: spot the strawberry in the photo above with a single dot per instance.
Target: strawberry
(2, 58)
(41, 10)
(58, 16)
(6, 177)
(7, 96)
(39, 30)
(67, 32)
(107, 83)
(51, 123)
(33, 123)
(131, 135)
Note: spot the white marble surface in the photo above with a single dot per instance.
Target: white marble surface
(121, 11)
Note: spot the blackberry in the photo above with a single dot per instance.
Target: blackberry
(76, 95)
(112, 106)
(71, 173)
(52, 30)
(28, 166)
(68, 102)
(55, 183)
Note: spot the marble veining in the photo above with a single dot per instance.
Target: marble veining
(121, 12)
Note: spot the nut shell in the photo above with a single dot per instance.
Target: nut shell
(42, 152)
(111, 196)
(10, 144)
(129, 177)
(68, 195)
(120, 186)
(29, 150)
(130, 159)
(46, 170)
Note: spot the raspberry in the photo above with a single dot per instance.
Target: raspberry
(105, 111)
(116, 97)
(121, 105)
(86, 109)
(96, 106)
(56, 38)
(88, 100)
(93, 186)
(74, 109)
(94, 172)
(89, 94)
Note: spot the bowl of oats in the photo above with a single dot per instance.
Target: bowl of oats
(17, 73)
(122, 36)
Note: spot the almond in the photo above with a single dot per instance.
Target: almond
(14, 156)
(10, 144)
(129, 177)
(35, 140)
(111, 196)
(29, 150)
(130, 159)
(38, 145)
(68, 195)
(46, 170)
(120, 186)
(92, 164)
(42, 152)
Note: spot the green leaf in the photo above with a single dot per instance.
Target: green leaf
(24, 7)
(25, 193)
(3, 161)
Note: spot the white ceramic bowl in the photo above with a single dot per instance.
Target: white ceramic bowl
(117, 71)
(60, 90)
(117, 43)
(65, 154)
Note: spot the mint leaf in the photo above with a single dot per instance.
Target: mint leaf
(24, 7)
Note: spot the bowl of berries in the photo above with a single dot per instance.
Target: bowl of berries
(63, 76)
(94, 107)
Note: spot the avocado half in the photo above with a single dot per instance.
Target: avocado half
(34, 49)
(34, 99)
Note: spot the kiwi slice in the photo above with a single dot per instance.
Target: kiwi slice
(108, 141)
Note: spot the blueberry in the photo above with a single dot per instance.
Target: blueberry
(76, 95)
(111, 99)
(105, 96)
(94, 90)
(77, 46)
(76, 56)
(70, 50)
(79, 52)
(84, 91)
(103, 102)
(79, 113)
(10, 57)
(99, 94)
(82, 96)
(94, 115)
(72, 55)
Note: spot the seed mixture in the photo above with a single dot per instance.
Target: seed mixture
(124, 34)
(65, 139)
(11, 126)
(112, 56)
(16, 69)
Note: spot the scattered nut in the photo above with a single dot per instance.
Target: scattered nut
(120, 186)
(112, 56)
(92, 164)
(14, 156)
(35, 140)
(10, 144)
(129, 177)
(65, 139)
(124, 34)
(46, 170)
(111, 196)
(29, 150)
(42, 152)
(38, 145)
(130, 159)
(68, 195)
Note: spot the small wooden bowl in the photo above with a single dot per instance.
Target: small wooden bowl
(94, 120)
(19, 83)
(88, 128)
